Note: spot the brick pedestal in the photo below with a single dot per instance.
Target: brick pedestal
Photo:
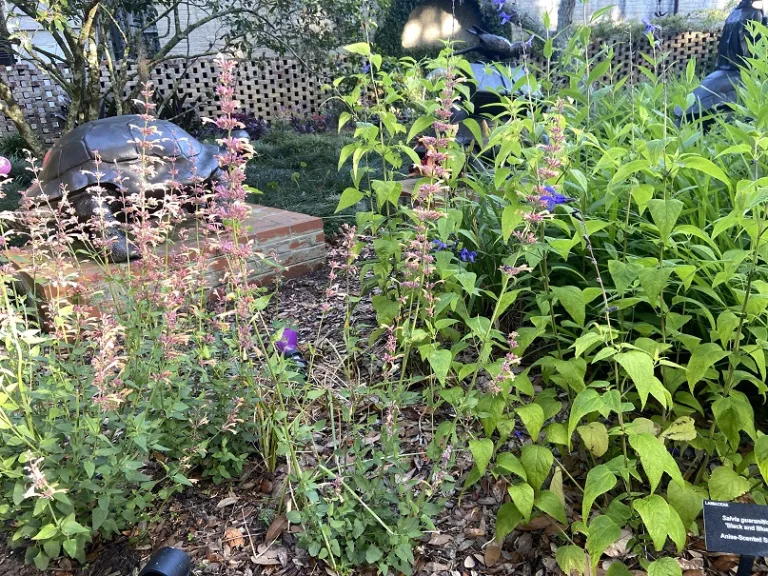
(294, 241)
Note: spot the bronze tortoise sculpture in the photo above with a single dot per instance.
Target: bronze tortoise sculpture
(72, 164)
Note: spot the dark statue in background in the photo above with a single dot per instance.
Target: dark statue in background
(72, 164)
(718, 89)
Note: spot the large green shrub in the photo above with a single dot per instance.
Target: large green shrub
(632, 256)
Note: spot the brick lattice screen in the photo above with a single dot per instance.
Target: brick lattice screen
(270, 85)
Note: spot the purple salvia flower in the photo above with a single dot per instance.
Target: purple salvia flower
(439, 245)
(499, 4)
(505, 18)
(650, 28)
(553, 198)
(529, 42)
(467, 255)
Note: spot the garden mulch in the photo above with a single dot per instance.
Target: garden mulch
(232, 529)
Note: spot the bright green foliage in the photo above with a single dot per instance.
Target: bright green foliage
(639, 307)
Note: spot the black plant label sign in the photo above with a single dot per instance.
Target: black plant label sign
(736, 528)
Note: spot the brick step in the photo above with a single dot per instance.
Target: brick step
(293, 241)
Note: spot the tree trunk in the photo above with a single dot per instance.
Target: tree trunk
(11, 109)
(564, 20)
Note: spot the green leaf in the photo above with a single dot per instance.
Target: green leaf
(664, 567)
(653, 280)
(707, 166)
(687, 500)
(621, 274)
(618, 569)
(572, 299)
(98, 516)
(511, 217)
(642, 194)
(507, 519)
(726, 485)
(420, 124)
(732, 415)
(654, 512)
(600, 480)
(532, 416)
(482, 451)
(571, 559)
(373, 554)
(90, 468)
(46, 532)
(595, 438)
(70, 527)
(602, 533)
(639, 367)
(628, 169)
(655, 459)
(467, 281)
(537, 462)
(557, 433)
(681, 430)
(761, 456)
(703, 358)
(361, 48)
(349, 197)
(70, 547)
(549, 503)
(508, 462)
(665, 214)
(690, 70)
(586, 402)
(440, 361)
(522, 495)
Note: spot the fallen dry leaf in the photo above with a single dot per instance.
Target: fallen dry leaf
(492, 554)
(233, 537)
(469, 562)
(693, 573)
(278, 526)
(725, 562)
(619, 548)
(227, 502)
(270, 556)
(440, 539)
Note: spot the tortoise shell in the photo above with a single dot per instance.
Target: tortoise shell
(71, 162)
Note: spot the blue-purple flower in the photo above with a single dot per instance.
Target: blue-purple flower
(499, 4)
(366, 68)
(529, 42)
(438, 245)
(505, 18)
(467, 255)
(650, 28)
(553, 198)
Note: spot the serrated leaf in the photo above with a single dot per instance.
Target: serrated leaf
(703, 358)
(507, 519)
(602, 533)
(532, 416)
(761, 456)
(726, 485)
(361, 48)
(373, 554)
(639, 367)
(508, 462)
(655, 459)
(522, 495)
(681, 430)
(537, 462)
(571, 559)
(687, 500)
(440, 361)
(349, 197)
(708, 167)
(586, 402)
(482, 451)
(572, 299)
(549, 503)
(595, 438)
(654, 511)
(46, 532)
(664, 567)
(653, 281)
(665, 214)
(600, 480)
